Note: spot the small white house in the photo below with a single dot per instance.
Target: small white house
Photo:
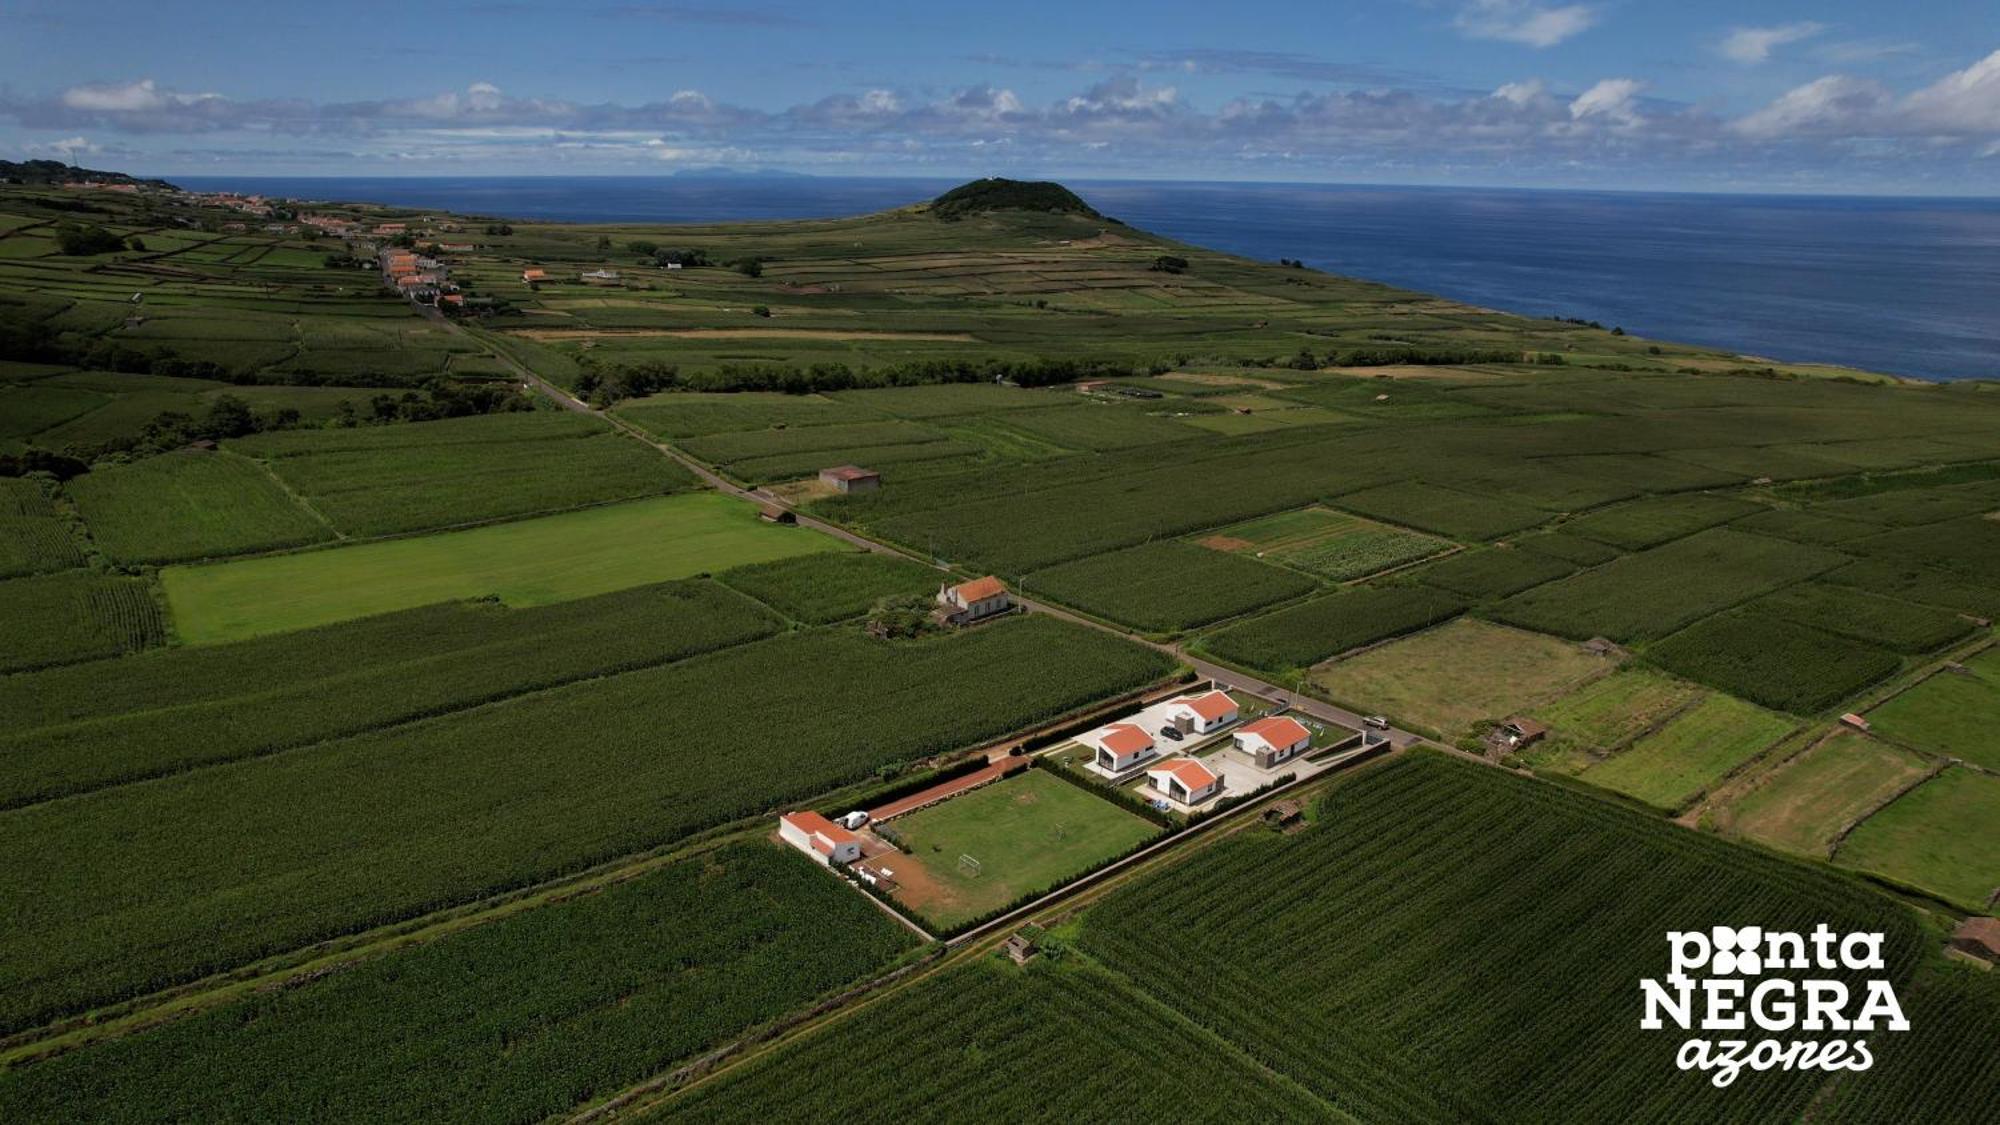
(974, 600)
(1211, 710)
(1184, 780)
(819, 838)
(1119, 746)
(1273, 739)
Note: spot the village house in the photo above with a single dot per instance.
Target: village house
(599, 277)
(534, 276)
(1273, 739)
(1200, 714)
(1184, 780)
(819, 838)
(1118, 747)
(851, 478)
(973, 601)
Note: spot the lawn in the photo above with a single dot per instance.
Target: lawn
(1803, 805)
(1951, 712)
(1451, 677)
(1938, 836)
(1028, 833)
(527, 562)
(1698, 748)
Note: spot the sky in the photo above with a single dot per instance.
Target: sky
(1831, 96)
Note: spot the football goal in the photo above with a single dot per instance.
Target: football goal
(969, 865)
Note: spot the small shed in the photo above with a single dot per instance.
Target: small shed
(1523, 731)
(771, 513)
(1019, 948)
(1856, 721)
(1978, 937)
(1284, 813)
(851, 478)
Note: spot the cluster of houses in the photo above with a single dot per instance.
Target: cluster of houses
(422, 279)
(1143, 740)
(535, 276)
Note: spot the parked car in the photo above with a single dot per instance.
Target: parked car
(1376, 721)
(1172, 732)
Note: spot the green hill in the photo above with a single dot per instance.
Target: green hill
(997, 194)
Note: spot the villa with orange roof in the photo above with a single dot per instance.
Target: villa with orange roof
(532, 275)
(1118, 747)
(1184, 780)
(1211, 710)
(819, 838)
(973, 601)
(1273, 739)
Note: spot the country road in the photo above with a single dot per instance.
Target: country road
(1318, 709)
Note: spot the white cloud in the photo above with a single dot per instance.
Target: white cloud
(1522, 93)
(1965, 101)
(1755, 44)
(129, 97)
(880, 101)
(1610, 99)
(1520, 21)
(69, 148)
(1836, 101)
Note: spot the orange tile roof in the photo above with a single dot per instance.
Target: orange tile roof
(1210, 705)
(533, 275)
(818, 825)
(1124, 739)
(979, 589)
(1188, 772)
(1277, 730)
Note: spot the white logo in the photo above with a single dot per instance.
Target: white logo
(1729, 1000)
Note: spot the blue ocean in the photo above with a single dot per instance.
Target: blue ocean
(1904, 285)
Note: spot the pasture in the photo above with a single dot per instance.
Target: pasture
(1668, 767)
(523, 563)
(1937, 837)
(1448, 678)
(1026, 834)
(1805, 804)
(1953, 711)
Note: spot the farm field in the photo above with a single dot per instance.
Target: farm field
(1168, 586)
(80, 729)
(215, 867)
(1392, 1022)
(1146, 1059)
(1668, 767)
(1804, 805)
(521, 1018)
(185, 506)
(1297, 637)
(1327, 543)
(1953, 711)
(385, 480)
(1937, 837)
(1774, 662)
(821, 588)
(1607, 714)
(63, 618)
(1026, 833)
(1451, 677)
(523, 563)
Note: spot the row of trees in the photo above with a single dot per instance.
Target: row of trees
(602, 384)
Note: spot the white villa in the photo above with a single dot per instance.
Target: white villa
(1184, 780)
(1273, 739)
(1206, 712)
(1118, 747)
(819, 838)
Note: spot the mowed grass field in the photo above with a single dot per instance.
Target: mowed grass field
(1938, 836)
(1694, 750)
(1803, 805)
(1953, 711)
(527, 562)
(1028, 832)
(1450, 677)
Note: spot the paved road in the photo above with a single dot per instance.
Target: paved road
(1314, 707)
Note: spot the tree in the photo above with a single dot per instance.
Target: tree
(1169, 263)
(78, 240)
(228, 417)
(604, 242)
(748, 267)
(761, 310)
(642, 247)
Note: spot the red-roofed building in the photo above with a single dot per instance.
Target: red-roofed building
(534, 276)
(1273, 739)
(973, 601)
(1119, 746)
(851, 478)
(1205, 712)
(1184, 780)
(819, 838)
